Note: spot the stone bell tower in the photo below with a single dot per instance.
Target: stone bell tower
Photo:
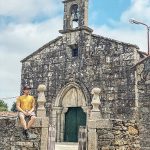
(75, 14)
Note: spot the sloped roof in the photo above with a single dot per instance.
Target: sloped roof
(113, 40)
(41, 48)
(94, 35)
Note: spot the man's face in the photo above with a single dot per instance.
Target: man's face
(26, 91)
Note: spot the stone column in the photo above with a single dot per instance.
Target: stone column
(62, 127)
(59, 110)
(94, 116)
(65, 109)
(41, 114)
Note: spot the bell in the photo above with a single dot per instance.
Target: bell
(75, 18)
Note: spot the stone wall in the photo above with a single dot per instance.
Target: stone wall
(11, 136)
(143, 98)
(102, 62)
(122, 136)
(110, 134)
(7, 131)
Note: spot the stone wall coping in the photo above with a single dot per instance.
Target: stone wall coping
(102, 123)
(105, 123)
(8, 117)
(38, 123)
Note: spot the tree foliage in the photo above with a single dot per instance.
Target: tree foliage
(13, 108)
(3, 106)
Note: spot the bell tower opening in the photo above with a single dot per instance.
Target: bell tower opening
(75, 14)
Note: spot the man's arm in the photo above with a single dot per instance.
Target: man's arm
(33, 106)
(18, 106)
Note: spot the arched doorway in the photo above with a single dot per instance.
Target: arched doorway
(71, 102)
(74, 118)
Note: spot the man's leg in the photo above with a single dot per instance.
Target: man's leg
(24, 124)
(31, 122)
(23, 121)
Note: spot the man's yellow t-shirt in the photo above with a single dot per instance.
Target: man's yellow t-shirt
(26, 102)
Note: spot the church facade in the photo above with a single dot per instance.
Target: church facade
(76, 62)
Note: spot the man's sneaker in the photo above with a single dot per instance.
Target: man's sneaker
(26, 134)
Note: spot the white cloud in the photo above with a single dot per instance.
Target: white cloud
(24, 38)
(25, 10)
(9, 75)
(124, 31)
(139, 9)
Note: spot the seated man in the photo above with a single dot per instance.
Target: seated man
(25, 105)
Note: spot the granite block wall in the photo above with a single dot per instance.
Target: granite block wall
(11, 135)
(124, 135)
(143, 86)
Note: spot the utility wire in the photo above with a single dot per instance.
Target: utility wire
(7, 98)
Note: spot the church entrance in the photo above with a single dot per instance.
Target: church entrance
(74, 118)
(69, 112)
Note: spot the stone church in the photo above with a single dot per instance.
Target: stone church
(76, 62)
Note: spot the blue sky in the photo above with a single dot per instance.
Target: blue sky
(107, 10)
(25, 25)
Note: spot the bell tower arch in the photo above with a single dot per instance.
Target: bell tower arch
(75, 14)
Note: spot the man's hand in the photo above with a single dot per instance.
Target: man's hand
(29, 113)
(25, 113)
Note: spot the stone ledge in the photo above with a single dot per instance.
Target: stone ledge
(77, 29)
(103, 123)
(37, 124)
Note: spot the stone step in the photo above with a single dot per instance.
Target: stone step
(66, 146)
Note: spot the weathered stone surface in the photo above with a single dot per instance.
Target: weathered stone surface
(118, 137)
(11, 135)
(132, 130)
(143, 86)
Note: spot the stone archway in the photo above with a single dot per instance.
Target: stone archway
(70, 96)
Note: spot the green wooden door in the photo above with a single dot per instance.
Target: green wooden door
(75, 117)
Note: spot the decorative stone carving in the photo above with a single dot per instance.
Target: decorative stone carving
(96, 100)
(95, 112)
(65, 109)
(41, 112)
(74, 98)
